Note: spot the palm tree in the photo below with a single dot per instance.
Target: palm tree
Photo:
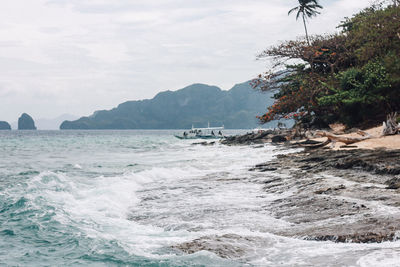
(307, 9)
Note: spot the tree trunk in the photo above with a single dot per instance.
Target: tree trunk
(391, 127)
(305, 28)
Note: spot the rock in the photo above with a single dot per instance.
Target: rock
(326, 194)
(25, 122)
(393, 183)
(328, 190)
(309, 142)
(225, 246)
(4, 125)
(382, 162)
(278, 139)
(260, 137)
(268, 169)
(205, 143)
(369, 237)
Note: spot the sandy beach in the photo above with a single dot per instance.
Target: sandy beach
(378, 141)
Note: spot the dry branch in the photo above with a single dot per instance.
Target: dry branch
(344, 139)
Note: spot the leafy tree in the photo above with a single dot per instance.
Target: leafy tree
(361, 92)
(351, 77)
(306, 9)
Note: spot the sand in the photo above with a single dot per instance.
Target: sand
(387, 142)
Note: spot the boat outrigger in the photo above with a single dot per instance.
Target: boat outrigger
(202, 133)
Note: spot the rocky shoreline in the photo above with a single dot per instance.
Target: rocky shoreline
(351, 189)
(267, 136)
(343, 196)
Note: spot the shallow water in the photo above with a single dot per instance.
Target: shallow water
(106, 198)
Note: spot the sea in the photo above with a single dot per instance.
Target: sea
(132, 198)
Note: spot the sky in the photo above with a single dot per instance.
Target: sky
(77, 56)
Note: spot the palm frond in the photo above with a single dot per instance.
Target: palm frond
(293, 10)
(309, 14)
(307, 8)
(298, 14)
(314, 6)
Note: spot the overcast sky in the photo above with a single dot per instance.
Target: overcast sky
(78, 56)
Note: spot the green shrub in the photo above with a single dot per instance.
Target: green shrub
(360, 93)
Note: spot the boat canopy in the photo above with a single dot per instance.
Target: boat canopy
(209, 128)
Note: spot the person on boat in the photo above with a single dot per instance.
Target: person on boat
(219, 133)
(212, 133)
(185, 134)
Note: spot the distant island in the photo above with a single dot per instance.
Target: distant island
(4, 125)
(196, 104)
(25, 122)
(48, 123)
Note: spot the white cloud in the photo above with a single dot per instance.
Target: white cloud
(77, 56)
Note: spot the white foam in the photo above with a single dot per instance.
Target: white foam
(77, 166)
(194, 191)
(383, 257)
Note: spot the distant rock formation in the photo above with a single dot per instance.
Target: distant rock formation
(4, 125)
(25, 122)
(195, 105)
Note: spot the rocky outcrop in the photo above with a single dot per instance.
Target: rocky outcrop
(4, 125)
(265, 136)
(25, 122)
(380, 161)
(224, 246)
(341, 196)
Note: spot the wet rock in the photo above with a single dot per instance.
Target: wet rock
(278, 139)
(255, 138)
(268, 169)
(393, 183)
(326, 194)
(313, 159)
(205, 143)
(382, 162)
(273, 180)
(265, 167)
(328, 190)
(369, 237)
(224, 246)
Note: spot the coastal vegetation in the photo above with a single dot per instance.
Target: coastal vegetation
(351, 77)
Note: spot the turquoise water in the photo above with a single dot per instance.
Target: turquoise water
(126, 198)
(66, 197)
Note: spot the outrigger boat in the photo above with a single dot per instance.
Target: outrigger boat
(202, 133)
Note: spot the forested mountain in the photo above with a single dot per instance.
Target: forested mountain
(196, 104)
